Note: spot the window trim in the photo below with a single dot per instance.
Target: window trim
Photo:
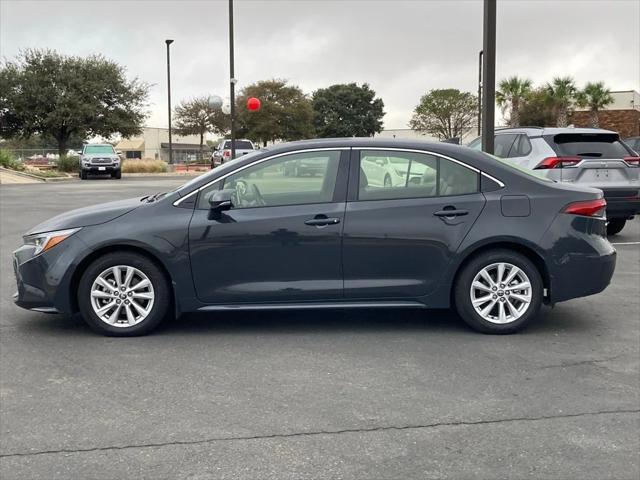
(256, 162)
(354, 172)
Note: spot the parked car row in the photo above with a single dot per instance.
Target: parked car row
(578, 156)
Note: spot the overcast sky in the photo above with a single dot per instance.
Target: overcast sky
(401, 48)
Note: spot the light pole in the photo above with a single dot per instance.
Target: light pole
(232, 83)
(479, 92)
(488, 75)
(169, 42)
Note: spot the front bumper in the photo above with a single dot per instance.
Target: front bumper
(43, 281)
(100, 168)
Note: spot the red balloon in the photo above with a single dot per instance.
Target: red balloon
(253, 104)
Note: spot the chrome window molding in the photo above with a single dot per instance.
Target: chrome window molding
(428, 152)
(294, 152)
(256, 162)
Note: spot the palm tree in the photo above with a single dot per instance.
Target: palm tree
(561, 93)
(512, 93)
(595, 96)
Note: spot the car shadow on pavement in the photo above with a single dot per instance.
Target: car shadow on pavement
(304, 321)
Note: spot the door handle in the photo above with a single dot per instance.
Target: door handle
(321, 221)
(452, 212)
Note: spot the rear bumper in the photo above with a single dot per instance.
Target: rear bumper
(622, 202)
(581, 261)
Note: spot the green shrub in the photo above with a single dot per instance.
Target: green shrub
(144, 166)
(7, 160)
(68, 163)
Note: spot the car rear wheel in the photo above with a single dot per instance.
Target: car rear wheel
(123, 294)
(83, 175)
(499, 292)
(615, 225)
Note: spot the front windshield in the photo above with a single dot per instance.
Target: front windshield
(98, 149)
(222, 168)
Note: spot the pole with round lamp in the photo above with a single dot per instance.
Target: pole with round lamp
(169, 42)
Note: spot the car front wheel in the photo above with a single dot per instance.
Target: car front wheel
(499, 292)
(123, 294)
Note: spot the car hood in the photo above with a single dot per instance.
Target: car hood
(83, 217)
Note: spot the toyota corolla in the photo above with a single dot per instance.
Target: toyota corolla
(462, 230)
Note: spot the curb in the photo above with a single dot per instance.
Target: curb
(35, 177)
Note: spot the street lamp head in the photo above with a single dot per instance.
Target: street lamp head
(168, 42)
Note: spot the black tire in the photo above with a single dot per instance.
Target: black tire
(118, 174)
(159, 310)
(615, 225)
(462, 289)
(83, 175)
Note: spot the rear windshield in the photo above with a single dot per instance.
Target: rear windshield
(240, 145)
(588, 145)
(98, 149)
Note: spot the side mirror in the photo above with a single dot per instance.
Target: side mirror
(221, 200)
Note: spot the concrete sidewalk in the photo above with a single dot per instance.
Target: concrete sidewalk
(7, 177)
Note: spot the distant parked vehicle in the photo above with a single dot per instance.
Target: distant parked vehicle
(584, 156)
(100, 158)
(222, 152)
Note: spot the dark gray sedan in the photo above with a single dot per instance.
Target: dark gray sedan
(461, 229)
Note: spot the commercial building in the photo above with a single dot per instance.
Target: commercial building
(154, 143)
(622, 116)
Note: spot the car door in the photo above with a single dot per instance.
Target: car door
(281, 240)
(399, 241)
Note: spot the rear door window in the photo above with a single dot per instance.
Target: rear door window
(588, 145)
(521, 147)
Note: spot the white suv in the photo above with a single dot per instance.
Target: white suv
(585, 156)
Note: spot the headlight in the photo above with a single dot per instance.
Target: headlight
(48, 240)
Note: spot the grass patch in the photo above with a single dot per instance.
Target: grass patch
(45, 173)
(144, 166)
(7, 160)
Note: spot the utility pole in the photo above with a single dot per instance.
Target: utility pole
(479, 92)
(169, 42)
(488, 75)
(232, 83)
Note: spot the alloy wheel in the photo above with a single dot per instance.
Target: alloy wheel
(501, 293)
(122, 296)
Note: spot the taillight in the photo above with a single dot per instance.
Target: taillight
(587, 208)
(557, 162)
(633, 161)
(227, 153)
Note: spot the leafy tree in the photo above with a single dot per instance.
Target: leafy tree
(445, 113)
(595, 96)
(561, 93)
(347, 110)
(198, 117)
(285, 113)
(512, 94)
(43, 92)
(537, 111)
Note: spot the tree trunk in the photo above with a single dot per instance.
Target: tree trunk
(201, 150)
(594, 120)
(515, 113)
(562, 117)
(62, 146)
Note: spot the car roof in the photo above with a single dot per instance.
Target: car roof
(537, 131)
(368, 142)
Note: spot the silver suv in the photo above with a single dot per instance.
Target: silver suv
(100, 158)
(587, 156)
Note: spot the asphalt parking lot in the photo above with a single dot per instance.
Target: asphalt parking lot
(358, 394)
